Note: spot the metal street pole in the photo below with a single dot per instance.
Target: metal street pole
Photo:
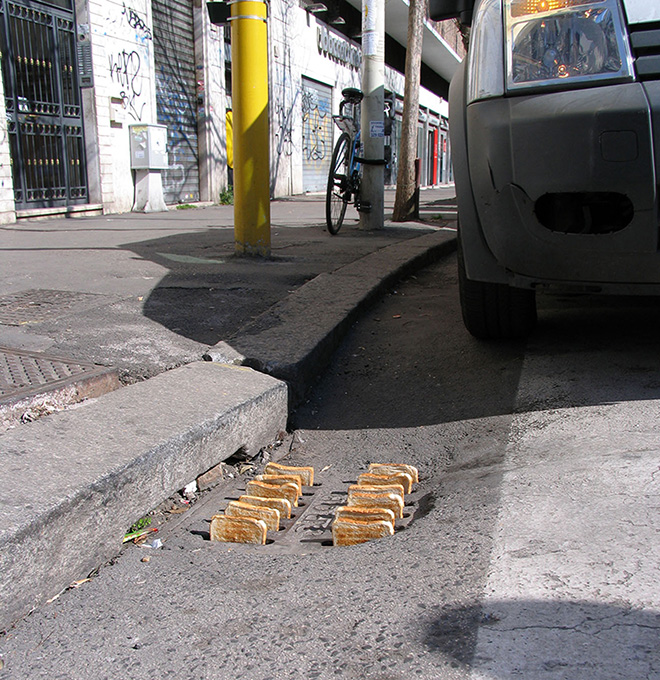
(372, 189)
(249, 78)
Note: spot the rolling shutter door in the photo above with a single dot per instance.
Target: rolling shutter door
(317, 134)
(176, 96)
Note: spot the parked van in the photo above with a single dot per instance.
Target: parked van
(555, 132)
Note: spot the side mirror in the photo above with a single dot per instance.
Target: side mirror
(439, 10)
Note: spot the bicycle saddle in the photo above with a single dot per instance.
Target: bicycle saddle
(352, 95)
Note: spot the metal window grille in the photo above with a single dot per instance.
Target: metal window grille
(42, 97)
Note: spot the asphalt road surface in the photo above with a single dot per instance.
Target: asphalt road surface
(529, 548)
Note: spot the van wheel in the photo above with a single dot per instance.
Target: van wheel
(495, 311)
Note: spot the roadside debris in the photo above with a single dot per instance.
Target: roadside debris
(174, 510)
(135, 536)
(77, 584)
(74, 584)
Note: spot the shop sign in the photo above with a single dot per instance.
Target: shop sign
(338, 49)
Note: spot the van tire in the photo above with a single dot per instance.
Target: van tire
(495, 311)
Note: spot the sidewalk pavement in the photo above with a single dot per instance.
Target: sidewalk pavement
(106, 404)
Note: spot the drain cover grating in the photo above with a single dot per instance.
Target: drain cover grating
(32, 306)
(310, 527)
(25, 373)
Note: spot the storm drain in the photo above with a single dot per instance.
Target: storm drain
(310, 526)
(33, 380)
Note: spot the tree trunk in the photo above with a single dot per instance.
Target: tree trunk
(406, 201)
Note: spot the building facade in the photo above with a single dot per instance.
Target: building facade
(77, 75)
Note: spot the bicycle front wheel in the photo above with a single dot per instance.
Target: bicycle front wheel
(339, 191)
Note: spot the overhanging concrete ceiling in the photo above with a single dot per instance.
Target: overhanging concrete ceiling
(436, 53)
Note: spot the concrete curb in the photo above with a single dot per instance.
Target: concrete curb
(295, 339)
(72, 483)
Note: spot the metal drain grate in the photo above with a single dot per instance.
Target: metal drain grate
(25, 373)
(33, 306)
(310, 527)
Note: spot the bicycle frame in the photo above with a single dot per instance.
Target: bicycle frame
(353, 164)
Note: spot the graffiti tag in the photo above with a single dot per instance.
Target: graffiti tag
(135, 21)
(284, 134)
(315, 123)
(125, 70)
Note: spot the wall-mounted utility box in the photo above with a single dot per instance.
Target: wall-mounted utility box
(148, 147)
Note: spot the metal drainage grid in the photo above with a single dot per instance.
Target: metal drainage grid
(25, 373)
(34, 306)
(310, 526)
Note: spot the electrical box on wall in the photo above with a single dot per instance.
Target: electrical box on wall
(148, 147)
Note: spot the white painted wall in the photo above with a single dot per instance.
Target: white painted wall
(124, 90)
(209, 58)
(7, 212)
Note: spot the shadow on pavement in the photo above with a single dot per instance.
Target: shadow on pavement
(555, 639)
(210, 293)
(410, 361)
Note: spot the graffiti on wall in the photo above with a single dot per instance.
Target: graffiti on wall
(125, 71)
(128, 60)
(284, 130)
(316, 118)
(284, 109)
(174, 110)
(136, 22)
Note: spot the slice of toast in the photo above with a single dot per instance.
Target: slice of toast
(365, 514)
(238, 530)
(268, 515)
(403, 478)
(352, 531)
(307, 473)
(281, 479)
(383, 488)
(391, 501)
(393, 468)
(281, 504)
(286, 490)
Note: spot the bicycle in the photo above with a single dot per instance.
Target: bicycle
(345, 165)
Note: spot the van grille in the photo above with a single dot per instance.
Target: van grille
(645, 42)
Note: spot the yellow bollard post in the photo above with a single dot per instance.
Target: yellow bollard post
(249, 53)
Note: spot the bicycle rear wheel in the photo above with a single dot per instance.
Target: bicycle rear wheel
(339, 192)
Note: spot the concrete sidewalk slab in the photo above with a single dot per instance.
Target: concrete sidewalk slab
(72, 483)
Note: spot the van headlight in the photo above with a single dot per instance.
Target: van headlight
(485, 63)
(563, 43)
